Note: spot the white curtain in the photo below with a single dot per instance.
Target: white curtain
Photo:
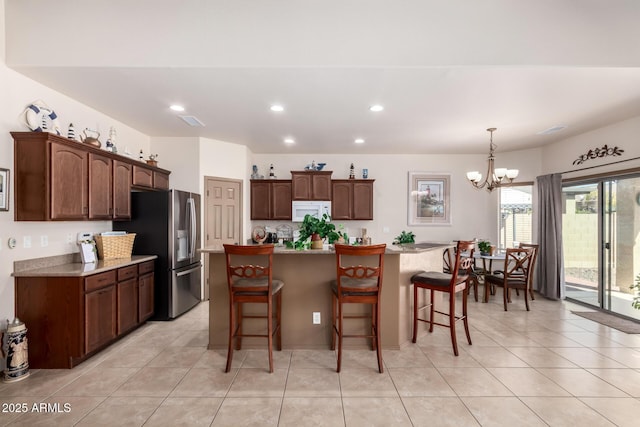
(550, 265)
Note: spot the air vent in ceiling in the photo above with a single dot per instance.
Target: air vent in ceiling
(192, 121)
(551, 130)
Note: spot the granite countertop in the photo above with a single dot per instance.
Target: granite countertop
(391, 249)
(78, 269)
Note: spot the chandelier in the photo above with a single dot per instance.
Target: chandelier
(495, 176)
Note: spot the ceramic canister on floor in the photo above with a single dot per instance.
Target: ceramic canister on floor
(16, 352)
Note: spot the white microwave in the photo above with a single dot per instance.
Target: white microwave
(299, 209)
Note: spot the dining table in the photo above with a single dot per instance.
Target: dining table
(487, 267)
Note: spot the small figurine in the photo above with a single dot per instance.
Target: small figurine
(352, 173)
(111, 142)
(254, 174)
(313, 165)
(71, 132)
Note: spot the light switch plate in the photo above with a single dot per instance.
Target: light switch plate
(316, 317)
(26, 241)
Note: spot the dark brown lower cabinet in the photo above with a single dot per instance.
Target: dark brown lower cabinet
(100, 317)
(69, 319)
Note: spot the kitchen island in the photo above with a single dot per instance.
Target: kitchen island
(306, 275)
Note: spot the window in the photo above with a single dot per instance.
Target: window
(515, 220)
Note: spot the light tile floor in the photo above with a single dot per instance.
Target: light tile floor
(543, 367)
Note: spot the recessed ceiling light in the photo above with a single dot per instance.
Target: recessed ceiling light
(289, 140)
(359, 141)
(277, 108)
(176, 107)
(376, 108)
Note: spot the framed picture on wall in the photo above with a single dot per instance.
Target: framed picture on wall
(429, 198)
(4, 189)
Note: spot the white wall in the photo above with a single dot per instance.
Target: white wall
(16, 93)
(559, 157)
(473, 211)
(181, 157)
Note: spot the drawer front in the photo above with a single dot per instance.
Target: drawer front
(146, 267)
(98, 281)
(125, 273)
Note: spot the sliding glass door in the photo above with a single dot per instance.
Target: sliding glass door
(601, 238)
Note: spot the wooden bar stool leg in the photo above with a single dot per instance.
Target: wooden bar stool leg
(452, 322)
(232, 328)
(415, 313)
(432, 309)
(279, 321)
(333, 322)
(239, 329)
(464, 320)
(270, 333)
(339, 337)
(373, 327)
(378, 343)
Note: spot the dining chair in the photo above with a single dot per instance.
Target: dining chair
(533, 265)
(448, 259)
(455, 281)
(250, 282)
(359, 271)
(514, 275)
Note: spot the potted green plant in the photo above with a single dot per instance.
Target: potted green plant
(636, 298)
(405, 237)
(485, 247)
(317, 229)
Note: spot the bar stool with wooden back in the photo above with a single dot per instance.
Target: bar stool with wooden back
(357, 284)
(455, 281)
(514, 275)
(250, 282)
(448, 258)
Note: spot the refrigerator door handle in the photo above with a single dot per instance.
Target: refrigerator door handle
(192, 220)
(189, 271)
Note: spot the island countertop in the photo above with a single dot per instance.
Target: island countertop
(391, 249)
(307, 275)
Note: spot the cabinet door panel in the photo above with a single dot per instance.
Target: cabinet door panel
(145, 297)
(69, 182)
(281, 200)
(301, 186)
(321, 187)
(142, 176)
(100, 317)
(127, 305)
(260, 200)
(363, 200)
(341, 203)
(160, 180)
(100, 183)
(121, 190)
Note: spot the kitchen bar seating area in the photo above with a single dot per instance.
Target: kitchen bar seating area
(546, 366)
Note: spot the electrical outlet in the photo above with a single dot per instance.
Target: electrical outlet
(316, 317)
(69, 238)
(385, 229)
(26, 241)
(44, 241)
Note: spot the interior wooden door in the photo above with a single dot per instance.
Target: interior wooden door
(223, 215)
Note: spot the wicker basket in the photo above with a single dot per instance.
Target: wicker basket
(111, 247)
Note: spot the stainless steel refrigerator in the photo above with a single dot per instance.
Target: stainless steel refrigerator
(167, 224)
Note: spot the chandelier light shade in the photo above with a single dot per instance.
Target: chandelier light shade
(495, 176)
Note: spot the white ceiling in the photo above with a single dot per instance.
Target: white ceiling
(444, 70)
